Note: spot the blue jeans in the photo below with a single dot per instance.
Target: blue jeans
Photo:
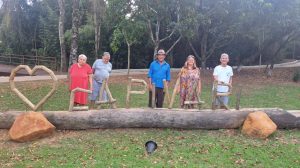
(224, 99)
(95, 93)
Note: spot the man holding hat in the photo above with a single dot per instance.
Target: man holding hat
(158, 71)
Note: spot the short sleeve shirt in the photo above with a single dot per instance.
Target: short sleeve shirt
(102, 70)
(224, 74)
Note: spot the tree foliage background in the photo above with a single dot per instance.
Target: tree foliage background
(250, 31)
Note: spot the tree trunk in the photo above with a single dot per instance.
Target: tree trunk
(156, 45)
(203, 64)
(157, 118)
(204, 49)
(75, 26)
(156, 39)
(97, 25)
(61, 30)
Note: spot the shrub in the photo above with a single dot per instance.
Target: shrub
(296, 76)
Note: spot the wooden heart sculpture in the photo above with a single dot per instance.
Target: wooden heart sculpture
(32, 72)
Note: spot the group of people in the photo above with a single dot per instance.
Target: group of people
(190, 81)
(84, 76)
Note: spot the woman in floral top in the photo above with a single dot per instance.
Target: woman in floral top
(190, 82)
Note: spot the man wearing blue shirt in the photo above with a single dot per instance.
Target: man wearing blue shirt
(158, 71)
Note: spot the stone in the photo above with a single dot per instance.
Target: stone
(29, 126)
(258, 125)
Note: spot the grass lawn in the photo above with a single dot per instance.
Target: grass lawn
(176, 148)
(284, 96)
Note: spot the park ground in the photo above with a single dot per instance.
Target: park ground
(176, 148)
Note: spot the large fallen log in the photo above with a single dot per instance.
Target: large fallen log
(156, 118)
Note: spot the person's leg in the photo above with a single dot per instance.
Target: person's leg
(159, 97)
(217, 102)
(225, 100)
(150, 99)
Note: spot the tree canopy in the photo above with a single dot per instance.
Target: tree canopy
(250, 31)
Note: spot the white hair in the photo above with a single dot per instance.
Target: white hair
(224, 55)
(106, 54)
(82, 56)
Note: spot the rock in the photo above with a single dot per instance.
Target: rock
(30, 126)
(259, 125)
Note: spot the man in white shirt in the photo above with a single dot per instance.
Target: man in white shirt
(223, 74)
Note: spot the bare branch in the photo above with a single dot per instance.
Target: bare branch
(179, 38)
(170, 35)
(150, 31)
(194, 50)
(157, 30)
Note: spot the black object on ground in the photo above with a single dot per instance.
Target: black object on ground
(150, 146)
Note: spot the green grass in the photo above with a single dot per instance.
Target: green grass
(176, 148)
(284, 96)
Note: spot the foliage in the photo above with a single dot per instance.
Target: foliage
(296, 76)
(249, 31)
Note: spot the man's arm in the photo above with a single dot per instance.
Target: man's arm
(168, 75)
(216, 77)
(230, 81)
(215, 74)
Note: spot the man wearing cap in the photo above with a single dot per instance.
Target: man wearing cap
(101, 70)
(158, 71)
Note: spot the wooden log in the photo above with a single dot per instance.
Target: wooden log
(166, 89)
(153, 105)
(80, 108)
(111, 100)
(106, 102)
(128, 93)
(216, 95)
(31, 72)
(238, 98)
(193, 102)
(72, 96)
(174, 93)
(157, 118)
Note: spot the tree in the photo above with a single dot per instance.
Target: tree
(130, 27)
(157, 15)
(268, 28)
(211, 27)
(63, 55)
(98, 12)
(15, 26)
(75, 26)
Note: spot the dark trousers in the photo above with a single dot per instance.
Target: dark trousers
(159, 97)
